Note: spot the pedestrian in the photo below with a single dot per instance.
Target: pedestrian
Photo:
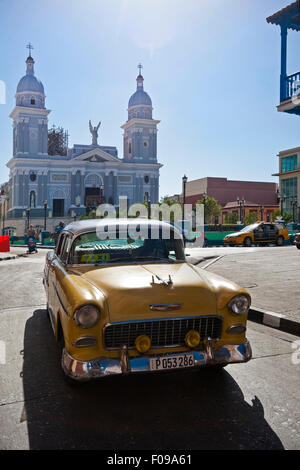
(58, 229)
(31, 232)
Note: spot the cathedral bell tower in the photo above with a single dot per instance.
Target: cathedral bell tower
(30, 122)
(140, 131)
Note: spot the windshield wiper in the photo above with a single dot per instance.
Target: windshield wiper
(135, 258)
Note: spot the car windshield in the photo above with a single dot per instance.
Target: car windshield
(249, 228)
(87, 248)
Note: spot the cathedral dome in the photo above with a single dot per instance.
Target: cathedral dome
(29, 83)
(140, 97)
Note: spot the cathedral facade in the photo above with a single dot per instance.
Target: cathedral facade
(70, 183)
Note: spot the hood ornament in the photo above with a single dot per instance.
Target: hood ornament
(168, 283)
(166, 307)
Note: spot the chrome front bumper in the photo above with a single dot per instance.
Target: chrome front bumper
(103, 366)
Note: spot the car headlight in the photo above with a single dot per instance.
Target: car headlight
(87, 316)
(239, 305)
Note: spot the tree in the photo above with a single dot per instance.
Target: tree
(251, 218)
(167, 200)
(275, 214)
(231, 218)
(211, 209)
(287, 217)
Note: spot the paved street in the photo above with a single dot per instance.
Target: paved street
(246, 406)
(271, 274)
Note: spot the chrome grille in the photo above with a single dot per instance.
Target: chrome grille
(163, 333)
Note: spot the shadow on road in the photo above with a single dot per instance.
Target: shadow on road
(190, 410)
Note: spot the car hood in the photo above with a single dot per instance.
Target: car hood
(233, 235)
(130, 290)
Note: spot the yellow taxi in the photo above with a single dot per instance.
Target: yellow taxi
(259, 233)
(122, 299)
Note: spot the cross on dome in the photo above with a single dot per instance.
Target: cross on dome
(30, 47)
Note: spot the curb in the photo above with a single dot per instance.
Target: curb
(274, 320)
(8, 257)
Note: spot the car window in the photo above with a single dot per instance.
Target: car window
(89, 249)
(65, 248)
(60, 243)
(249, 228)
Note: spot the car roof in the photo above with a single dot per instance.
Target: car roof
(91, 225)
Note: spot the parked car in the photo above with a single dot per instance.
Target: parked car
(297, 240)
(261, 233)
(129, 302)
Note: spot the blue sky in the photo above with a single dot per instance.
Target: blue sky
(211, 68)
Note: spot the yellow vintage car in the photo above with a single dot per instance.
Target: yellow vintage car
(261, 233)
(122, 299)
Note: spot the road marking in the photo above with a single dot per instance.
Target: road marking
(272, 319)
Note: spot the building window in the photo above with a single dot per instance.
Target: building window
(32, 201)
(145, 144)
(129, 147)
(146, 179)
(288, 163)
(289, 190)
(32, 101)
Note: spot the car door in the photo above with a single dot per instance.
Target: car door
(53, 301)
(267, 233)
(259, 233)
(273, 233)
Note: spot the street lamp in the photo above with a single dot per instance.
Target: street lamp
(294, 203)
(261, 209)
(184, 181)
(148, 202)
(28, 216)
(45, 214)
(3, 200)
(241, 203)
(101, 192)
(204, 203)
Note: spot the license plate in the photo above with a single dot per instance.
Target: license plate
(171, 362)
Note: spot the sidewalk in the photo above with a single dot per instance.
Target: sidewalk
(269, 274)
(14, 253)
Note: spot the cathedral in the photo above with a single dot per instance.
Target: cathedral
(49, 179)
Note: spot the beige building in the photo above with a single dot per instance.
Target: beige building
(289, 181)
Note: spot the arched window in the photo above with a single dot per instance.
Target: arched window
(32, 100)
(129, 147)
(92, 181)
(32, 199)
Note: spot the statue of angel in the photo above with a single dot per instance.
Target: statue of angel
(94, 132)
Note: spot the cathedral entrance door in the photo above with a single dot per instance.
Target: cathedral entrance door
(58, 207)
(93, 198)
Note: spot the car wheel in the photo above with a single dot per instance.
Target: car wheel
(298, 246)
(279, 241)
(247, 241)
